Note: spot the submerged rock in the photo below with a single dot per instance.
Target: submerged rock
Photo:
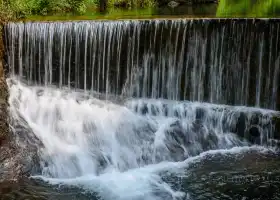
(173, 4)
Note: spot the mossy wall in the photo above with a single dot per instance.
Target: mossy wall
(4, 126)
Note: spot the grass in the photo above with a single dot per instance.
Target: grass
(248, 8)
(88, 9)
(123, 9)
(132, 3)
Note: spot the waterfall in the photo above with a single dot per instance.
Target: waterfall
(225, 61)
(116, 106)
(121, 150)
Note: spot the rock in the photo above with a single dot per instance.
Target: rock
(4, 126)
(276, 123)
(253, 134)
(255, 118)
(6, 187)
(241, 125)
(173, 4)
(254, 131)
(18, 156)
(144, 110)
(200, 114)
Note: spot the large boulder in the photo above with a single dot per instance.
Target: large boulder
(18, 156)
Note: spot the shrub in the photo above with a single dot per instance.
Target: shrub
(42, 7)
(248, 8)
(6, 12)
(132, 3)
(23, 8)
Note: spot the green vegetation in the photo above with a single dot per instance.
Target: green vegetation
(116, 9)
(6, 12)
(132, 3)
(248, 8)
(111, 14)
(43, 7)
(23, 8)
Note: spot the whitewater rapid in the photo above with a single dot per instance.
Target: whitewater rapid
(117, 149)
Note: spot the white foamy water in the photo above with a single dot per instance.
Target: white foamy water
(114, 150)
(145, 182)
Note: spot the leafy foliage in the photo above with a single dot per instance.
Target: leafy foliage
(132, 3)
(6, 12)
(43, 7)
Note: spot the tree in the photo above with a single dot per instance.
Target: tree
(102, 5)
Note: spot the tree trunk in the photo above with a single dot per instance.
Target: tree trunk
(102, 5)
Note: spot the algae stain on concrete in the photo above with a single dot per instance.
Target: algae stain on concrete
(8, 167)
(4, 127)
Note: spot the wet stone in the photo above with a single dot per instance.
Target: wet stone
(200, 114)
(276, 123)
(144, 109)
(253, 135)
(255, 119)
(254, 131)
(154, 110)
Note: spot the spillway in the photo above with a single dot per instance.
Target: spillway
(126, 109)
(224, 61)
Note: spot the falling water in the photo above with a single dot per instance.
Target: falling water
(196, 60)
(119, 150)
(116, 106)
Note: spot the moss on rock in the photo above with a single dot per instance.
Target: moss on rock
(8, 166)
(4, 126)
